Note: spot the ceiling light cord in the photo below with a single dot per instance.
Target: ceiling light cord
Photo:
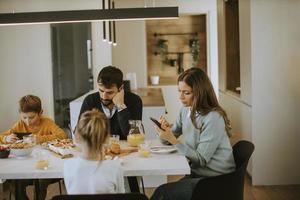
(104, 23)
(114, 27)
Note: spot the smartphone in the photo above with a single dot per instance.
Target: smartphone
(157, 123)
(21, 134)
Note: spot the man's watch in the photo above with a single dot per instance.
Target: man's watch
(121, 107)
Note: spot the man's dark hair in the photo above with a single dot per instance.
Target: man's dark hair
(110, 76)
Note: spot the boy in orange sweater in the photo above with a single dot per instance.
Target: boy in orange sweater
(45, 129)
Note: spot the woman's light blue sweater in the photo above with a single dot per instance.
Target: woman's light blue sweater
(208, 148)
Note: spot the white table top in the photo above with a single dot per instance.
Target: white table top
(133, 165)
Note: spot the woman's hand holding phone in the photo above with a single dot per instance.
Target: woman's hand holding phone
(164, 130)
(164, 123)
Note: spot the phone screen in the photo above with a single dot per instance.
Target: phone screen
(157, 123)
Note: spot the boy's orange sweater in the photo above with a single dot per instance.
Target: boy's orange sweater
(47, 130)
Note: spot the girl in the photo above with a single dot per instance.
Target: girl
(201, 133)
(91, 173)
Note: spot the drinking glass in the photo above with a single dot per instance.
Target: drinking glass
(114, 139)
(144, 149)
(42, 160)
(29, 139)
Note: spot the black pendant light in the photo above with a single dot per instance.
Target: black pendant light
(114, 27)
(109, 25)
(104, 24)
(88, 15)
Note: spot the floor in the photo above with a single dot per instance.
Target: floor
(251, 192)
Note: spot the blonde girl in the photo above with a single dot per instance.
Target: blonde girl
(91, 173)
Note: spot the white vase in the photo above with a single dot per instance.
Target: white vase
(154, 80)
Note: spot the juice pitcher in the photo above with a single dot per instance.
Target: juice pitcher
(136, 134)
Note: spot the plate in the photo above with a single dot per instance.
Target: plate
(163, 149)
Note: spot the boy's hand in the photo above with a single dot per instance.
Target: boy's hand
(11, 138)
(118, 99)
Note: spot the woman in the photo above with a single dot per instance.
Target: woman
(201, 133)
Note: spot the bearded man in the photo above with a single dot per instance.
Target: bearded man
(118, 105)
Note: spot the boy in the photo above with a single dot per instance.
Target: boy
(45, 129)
(32, 121)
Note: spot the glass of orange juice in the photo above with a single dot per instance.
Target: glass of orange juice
(144, 149)
(42, 160)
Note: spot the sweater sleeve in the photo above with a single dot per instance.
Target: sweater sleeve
(210, 137)
(177, 126)
(17, 127)
(54, 132)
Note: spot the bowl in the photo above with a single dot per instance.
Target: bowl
(21, 152)
(4, 153)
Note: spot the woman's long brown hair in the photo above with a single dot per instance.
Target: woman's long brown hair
(204, 100)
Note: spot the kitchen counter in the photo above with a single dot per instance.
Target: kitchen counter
(150, 96)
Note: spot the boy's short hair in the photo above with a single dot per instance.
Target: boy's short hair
(30, 103)
(110, 76)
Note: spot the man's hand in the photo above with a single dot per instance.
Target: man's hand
(11, 138)
(118, 99)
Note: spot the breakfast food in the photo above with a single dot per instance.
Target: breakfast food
(20, 145)
(135, 139)
(4, 151)
(3, 148)
(62, 147)
(115, 148)
(62, 143)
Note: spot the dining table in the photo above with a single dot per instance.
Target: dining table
(159, 163)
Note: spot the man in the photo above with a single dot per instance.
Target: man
(118, 105)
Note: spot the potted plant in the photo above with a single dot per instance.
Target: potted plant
(195, 49)
(162, 48)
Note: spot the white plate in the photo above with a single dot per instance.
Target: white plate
(163, 149)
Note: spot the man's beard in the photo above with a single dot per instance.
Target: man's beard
(106, 102)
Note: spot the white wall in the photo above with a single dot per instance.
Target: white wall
(275, 61)
(25, 56)
(267, 111)
(25, 69)
(102, 55)
(238, 108)
(130, 53)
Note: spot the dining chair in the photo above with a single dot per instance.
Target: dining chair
(227, 186)
(123, 196)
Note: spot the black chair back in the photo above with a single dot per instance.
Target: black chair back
(227, 186)
(125, 196)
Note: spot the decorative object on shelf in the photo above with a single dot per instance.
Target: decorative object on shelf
(154, 79)
(195, 48)
(162, 50)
